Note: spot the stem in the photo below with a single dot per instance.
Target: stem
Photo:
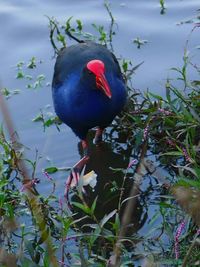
(112, 21)
(122, 191)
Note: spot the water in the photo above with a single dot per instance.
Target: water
(25, 33)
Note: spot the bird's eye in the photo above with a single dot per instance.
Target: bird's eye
(90, 72)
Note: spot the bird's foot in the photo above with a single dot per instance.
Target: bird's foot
(74, 176)
(98, 137)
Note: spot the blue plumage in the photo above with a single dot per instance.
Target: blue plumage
(86, 96)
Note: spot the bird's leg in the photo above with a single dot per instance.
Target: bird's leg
(98, 136)
(77, 169)
(84, 144)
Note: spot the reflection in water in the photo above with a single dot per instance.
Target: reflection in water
(115, 153)
(103, 159)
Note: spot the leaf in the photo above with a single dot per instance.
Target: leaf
(51, 169)
(166, 205)
(94, 205)
(129, 198)
(49, 122)
(68, 25)
(195, 82)
(20, 75)
(192, 170)
(172, 153)
(46, 259)
(95, 235)
(29, 248)
(84, 208)
(79, 220)
(137, 66)
(61, 38)
(106, 218)
(79, 25)
(155, 96)
(38, 118)
(117, 169)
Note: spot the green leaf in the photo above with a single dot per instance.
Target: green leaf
(196, 83)
(116, 224)
(95, 235)
(172, 153)
(46, 260)
(61, 38)
(5, 92)
(51, 169)
(38, 118)
(155, 96)
(32, 63)
(49, 122)
(79, 24)
(29, 247)
(68, 25)
(94, 205)
(166, 205)
(84, 208)
(20, 75)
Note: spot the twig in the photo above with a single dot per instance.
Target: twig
(53, 28)
(73, 37)
(112, 22)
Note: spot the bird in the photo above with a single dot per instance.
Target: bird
(88, 90)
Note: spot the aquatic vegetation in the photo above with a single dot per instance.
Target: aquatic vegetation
(139, 42)
(111, 226)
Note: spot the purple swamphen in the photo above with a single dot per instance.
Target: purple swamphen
(88, 90)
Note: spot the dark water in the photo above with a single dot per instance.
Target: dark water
(25, 33)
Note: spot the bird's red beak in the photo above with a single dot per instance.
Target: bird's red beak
(97, 67)
(102, 84)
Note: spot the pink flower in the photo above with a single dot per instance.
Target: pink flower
(171, 143)
(178, 234)
(146, 131)
(47, 175)
(185, 153)
(165, 112)
(132, 162)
